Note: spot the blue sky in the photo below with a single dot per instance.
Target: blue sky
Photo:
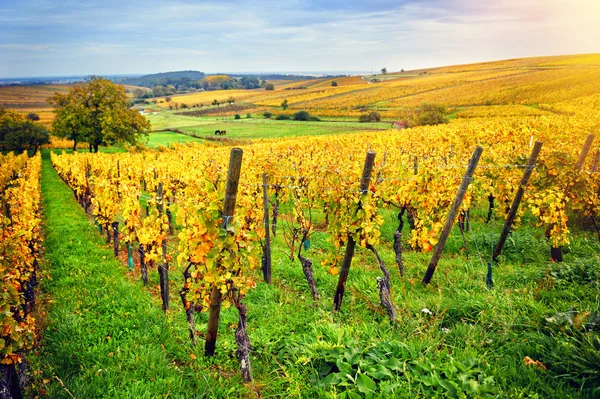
(68, 37)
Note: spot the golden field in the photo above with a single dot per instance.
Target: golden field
(520, 87)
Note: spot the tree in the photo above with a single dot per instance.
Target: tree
(250, 82)
(22, 136)
(32, 116)
(7, 115)
(18, 134)
(334, 83)
(269, 86)
(384, 71)
(301, 116)
(138, 93)
(284, 104)
(429, 114)
(231, 100)
(96, 112)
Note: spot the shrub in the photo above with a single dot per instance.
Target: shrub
(32, 116)
(283, 117)
(429, 114)
(301, 116)
(372, 116)
(269, 86)
(267, 114)
(314, 118)
(248, 116)
(237, 116)
(334, 83)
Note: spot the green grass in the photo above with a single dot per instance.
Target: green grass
(257, 127)
(301, 349)
(166, 138)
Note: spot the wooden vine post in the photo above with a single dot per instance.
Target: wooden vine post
(233, 177)
(595, 164)
(163, 267)
(437, 252)
(512, 214)
(350, 246)
(267, 247)
(115, 229)
(584, 152)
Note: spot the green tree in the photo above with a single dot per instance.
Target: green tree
(32, 116)
(7, 115)
(384, 71)
(17, 134)
(269, 86)
(334, 83)
(429, 114)
(250, 82)
(301, 116)
(96, 112)
(284, 104)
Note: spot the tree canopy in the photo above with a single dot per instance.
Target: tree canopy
(97, 112)
(18, 134)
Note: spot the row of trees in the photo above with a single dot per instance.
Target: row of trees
(215, 82)
(97, 112)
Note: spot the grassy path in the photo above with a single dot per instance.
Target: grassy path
(104, 334)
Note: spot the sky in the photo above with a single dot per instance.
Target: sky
(79, 37)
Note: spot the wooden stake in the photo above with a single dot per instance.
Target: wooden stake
(596, 160)
(115, 228)
(233, 177)
(512, 214)
(267, 246)
(341, 286)
(437, 252)
(163, 266)
(584, 152)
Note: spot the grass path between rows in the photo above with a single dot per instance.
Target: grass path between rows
(104, 334)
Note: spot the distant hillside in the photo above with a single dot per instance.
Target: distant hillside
(178, 78)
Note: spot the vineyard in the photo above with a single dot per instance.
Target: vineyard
(19, 260)
(455, 260)
(195, 216)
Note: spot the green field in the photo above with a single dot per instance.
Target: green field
(256, 127)
(166, 138)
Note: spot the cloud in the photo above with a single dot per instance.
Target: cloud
(73, 37)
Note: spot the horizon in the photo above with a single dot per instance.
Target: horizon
(115, 38)
(291, 73)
